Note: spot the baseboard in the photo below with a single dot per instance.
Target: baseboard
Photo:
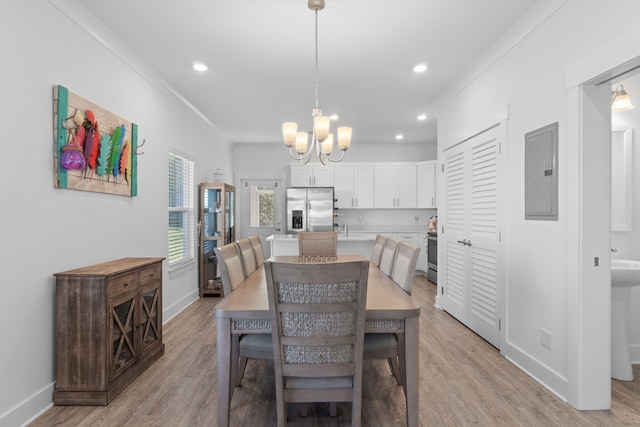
(553, 381)
(174, 309)
(29, 409)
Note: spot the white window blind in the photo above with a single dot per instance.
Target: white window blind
(181, 211)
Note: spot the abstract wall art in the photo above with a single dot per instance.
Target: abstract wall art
(94, 149)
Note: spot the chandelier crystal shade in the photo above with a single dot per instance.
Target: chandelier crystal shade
(303, 144)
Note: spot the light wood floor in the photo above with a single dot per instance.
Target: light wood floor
(464, 381)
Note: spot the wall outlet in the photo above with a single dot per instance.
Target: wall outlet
(545, 338)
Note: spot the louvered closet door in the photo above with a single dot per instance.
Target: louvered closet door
(483, 234)
(471, 234)
(453, 272)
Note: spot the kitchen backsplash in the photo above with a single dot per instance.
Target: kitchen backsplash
(385, 220)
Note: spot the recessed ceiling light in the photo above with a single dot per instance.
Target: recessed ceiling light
(422, 117)
(334, 117)
(199, 66)
(420, 68)
(399, 136)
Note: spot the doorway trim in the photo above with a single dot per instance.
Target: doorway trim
(589, 292)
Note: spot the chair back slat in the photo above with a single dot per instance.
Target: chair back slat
(230, 265)
(258, 250)
(247, 256)
(404, 266)
(388, 255)
(376, 253)
(322, 243)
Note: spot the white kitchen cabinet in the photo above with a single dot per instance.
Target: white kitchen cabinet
(353, 187)
(407, 237)
(312, 176)
(422, 264)
(395, 186)
(427, 185)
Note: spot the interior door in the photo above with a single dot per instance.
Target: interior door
(471, 234)
(483, 235)
(261, 209)
(454, 270)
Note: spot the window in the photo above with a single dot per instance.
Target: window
(181, 211)
(262, 206)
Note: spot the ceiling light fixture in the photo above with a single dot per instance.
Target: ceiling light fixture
(199, 66)
(620, 100)
(422, 117)
(321, 139)
(420, 68)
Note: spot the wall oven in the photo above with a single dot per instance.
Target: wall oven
(432, 258)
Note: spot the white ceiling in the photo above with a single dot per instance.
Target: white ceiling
(261, 58)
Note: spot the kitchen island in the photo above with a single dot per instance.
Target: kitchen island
(353, 244)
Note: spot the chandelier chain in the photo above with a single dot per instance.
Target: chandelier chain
(321, 140)
(316, 53)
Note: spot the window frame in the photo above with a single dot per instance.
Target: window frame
(183, 199)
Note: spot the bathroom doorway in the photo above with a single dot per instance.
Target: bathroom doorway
(589, 93)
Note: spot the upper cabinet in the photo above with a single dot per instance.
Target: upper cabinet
(312, 176)
(353, 187)
(427, 184)
(395, 185)
(386, 185)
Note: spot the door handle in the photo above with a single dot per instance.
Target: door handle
(465, 242)
(276, 229)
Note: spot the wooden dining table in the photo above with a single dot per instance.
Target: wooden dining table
(246, 310)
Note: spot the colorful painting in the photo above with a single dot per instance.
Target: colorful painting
(94, 149)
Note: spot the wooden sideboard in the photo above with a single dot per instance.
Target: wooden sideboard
(108, 328)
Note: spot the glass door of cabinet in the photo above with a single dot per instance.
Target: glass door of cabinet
(217, 228)
(149, 317)
(123, 349)
(230, 209)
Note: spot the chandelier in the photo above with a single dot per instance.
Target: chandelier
(321, 138)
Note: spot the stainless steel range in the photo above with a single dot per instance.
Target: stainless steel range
(432, 257)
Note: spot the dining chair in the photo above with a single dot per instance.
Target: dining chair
(376, 253)
(247, 255)
(317, 314)
(230, 266)
(258, 250)
(313, 243)
(388, 345)
(248, 346)
(388, 255)
(404, 266)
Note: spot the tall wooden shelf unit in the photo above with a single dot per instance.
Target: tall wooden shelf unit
(108, 328)
(217, 228)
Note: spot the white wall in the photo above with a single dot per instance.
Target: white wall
(527, 73)
(47, 230)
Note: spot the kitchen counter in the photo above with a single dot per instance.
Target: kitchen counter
(353, 244)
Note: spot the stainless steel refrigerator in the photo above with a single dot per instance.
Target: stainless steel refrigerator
(309, 209)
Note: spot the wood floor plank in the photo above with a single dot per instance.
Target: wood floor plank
(464, 381)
